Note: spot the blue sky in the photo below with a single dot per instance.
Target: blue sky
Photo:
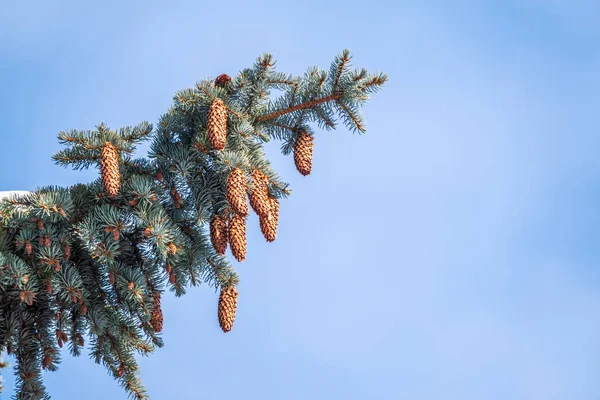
(449, 253)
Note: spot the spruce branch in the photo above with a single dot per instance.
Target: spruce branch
(91, 260)
(301, 106)
(338, 67)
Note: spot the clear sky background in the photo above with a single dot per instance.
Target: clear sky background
(450, 253)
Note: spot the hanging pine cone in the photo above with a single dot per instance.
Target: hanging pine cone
(268, 223)
(156, 318)
(236, 191)
(259, 197)
(303, 152)
(237, 237)
(109, 169)
(177, 200)
(227, 307)
(46, 362)
(218, 234)
(217, 124)
(67, 251)
(222, 80)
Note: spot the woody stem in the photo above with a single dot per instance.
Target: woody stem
(301, 106)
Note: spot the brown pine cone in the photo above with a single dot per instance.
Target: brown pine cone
(46, 362)
(156, 317)
(109, 169)
(222, 80)
(227, 307)
(237, 237)
(259, 196)
(67, 251)
(269, 223)
(303, 152)
(177, 200)
(236, 191)
(218, 234)
(217, 124)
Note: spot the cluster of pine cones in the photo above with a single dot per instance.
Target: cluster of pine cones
(231, 227)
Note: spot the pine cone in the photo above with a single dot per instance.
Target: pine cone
(236, 191)
(156, 318)
(237, 237)
(222, 80)
(218, 234)
(303, 152)
(67, 251)
(259, 197)
(46, 362)
(268, 223)
(227, 307)
(217, 124)
(177, 200)
(109, 169)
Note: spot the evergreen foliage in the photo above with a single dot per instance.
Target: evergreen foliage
(85, 265)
